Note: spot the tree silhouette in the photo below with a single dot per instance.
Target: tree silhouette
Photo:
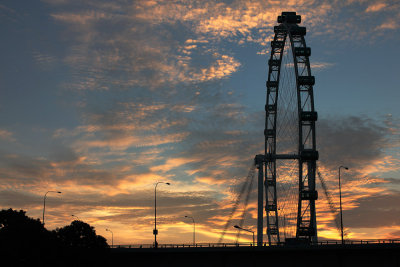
(80, 235)
(25, 242)
(19, 231)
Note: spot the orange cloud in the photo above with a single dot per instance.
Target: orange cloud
(375, 7)
(386, 164)
(210, 180)
(171, 164)
(388, 25)
(125, 142)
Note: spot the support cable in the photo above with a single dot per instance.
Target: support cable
(246, 202)
(238, 199)
(331, 205)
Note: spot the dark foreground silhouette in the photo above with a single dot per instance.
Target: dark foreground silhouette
(25, 242)
(382, 255)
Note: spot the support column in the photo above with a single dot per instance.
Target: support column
(260, 214)
(311, 184)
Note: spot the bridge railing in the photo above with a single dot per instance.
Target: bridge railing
(198, 245)
(249, 244)
(359, 242)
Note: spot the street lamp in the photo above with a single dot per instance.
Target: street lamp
(194, 230)
(44, 201)
(340, 200)
(247, 230)
(155, 231)
(112, 237)
(75, 217)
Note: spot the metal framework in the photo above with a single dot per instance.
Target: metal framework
(289, 38)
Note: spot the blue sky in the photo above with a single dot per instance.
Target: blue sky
(102, 99)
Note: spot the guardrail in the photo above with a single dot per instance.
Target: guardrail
(249, 244)
(359, 242)
(198, 245)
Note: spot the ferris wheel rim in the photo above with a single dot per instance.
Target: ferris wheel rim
(288, 28)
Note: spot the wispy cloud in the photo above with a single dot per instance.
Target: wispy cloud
(148, 51)
(391, 24)
(375, 7)
(6, 135)
(321, 65)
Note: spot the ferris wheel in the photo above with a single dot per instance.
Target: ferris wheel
(289, 163)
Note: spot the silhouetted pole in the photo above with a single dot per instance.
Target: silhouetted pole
(112, 237)
(194, 230)
(44, 201)
(260, 200)
(155, 231)
(247, 230)
(340, 200)
(284, 226)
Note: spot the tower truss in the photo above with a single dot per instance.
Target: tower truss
(289, 134)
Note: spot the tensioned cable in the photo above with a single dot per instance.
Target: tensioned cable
(238, 199)
(246, 202)
(287, 141)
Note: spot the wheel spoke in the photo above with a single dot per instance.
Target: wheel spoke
(290, 130)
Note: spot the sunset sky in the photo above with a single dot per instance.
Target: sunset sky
(102, 99)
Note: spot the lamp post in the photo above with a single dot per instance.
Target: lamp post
(155, 231)
(194, 230)
(75, 217)
(247, 230)
(112, 237)
(340, 201)
(44, 201)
